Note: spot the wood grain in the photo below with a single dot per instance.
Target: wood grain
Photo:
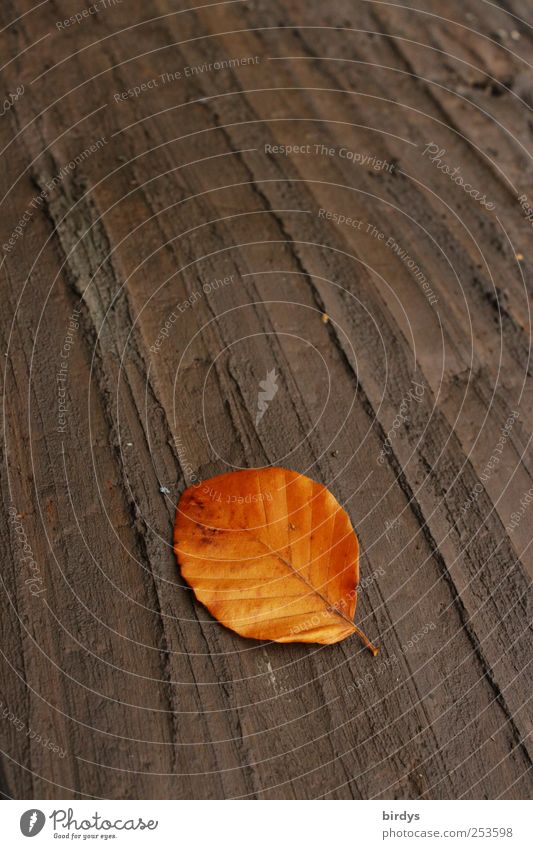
(171, 242)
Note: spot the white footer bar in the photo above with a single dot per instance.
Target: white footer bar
(267, 825)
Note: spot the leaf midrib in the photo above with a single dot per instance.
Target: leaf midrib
(330, 605)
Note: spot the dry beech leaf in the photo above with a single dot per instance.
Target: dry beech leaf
(272, 555)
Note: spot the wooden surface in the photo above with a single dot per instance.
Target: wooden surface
(114, 682)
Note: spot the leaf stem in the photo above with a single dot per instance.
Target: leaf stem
(364, 639)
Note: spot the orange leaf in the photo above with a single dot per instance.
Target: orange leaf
(272, 555)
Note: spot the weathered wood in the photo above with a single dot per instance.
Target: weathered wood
(114, 682)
